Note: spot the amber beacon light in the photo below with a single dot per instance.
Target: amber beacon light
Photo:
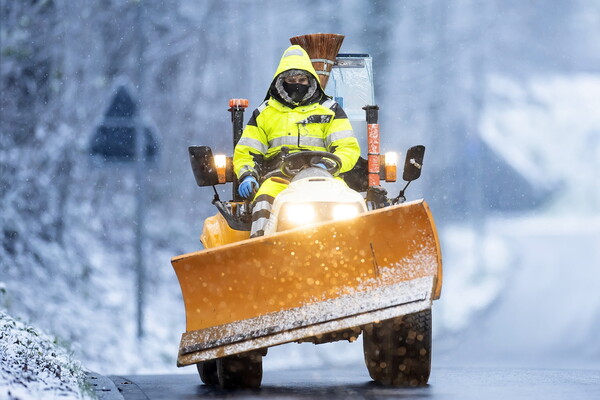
(221, 164)
(390, 166)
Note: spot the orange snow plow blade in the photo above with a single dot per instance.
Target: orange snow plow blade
(313, 280)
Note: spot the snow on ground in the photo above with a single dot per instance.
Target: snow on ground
(34, 366)
(546, 310)
(521, 288)
(549, 129)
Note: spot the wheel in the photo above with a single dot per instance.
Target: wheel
(240, 371)
(398, 351)
(296, 162)
(208, 372)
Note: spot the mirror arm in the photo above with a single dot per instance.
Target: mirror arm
(401, 198)
(216, 198)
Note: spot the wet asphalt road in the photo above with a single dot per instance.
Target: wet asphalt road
(445, 383)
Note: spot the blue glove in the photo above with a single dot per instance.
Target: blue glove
(246, 188)
(320, 165)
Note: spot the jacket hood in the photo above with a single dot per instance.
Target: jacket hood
(294, 58)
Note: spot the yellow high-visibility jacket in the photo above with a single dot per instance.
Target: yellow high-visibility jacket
(320, 126)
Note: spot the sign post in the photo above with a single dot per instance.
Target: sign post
(123, 137)
(140, 161)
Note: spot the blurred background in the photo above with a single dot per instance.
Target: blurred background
(505, 95)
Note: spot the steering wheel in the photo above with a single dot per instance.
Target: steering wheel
(296, 162)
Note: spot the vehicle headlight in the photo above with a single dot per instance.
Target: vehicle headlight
(299, 214)
(294, 215)
(344, 211)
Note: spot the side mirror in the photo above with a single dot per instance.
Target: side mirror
(203, 165)
(413, 163)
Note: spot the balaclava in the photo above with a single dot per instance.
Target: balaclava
(295, 93)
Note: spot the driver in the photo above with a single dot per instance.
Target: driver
(298, 115)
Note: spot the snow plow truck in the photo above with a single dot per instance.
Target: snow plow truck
(338, 259)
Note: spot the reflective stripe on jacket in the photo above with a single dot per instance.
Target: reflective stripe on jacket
(321, 126)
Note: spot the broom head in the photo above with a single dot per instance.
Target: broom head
(322, 48)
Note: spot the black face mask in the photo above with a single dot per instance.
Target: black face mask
(296, 91)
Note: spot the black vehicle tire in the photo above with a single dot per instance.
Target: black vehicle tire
(208, 372)
(398, 350)
(240, 371)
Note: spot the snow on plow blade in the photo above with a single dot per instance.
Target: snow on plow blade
(310, 281)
